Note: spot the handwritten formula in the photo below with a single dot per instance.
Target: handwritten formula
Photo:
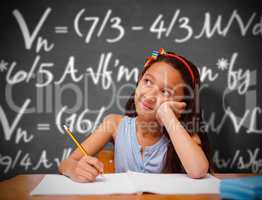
(73, 64)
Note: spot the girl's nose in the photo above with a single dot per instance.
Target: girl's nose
(150, 99)
(151, 95)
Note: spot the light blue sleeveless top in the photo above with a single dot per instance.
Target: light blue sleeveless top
(127, 153)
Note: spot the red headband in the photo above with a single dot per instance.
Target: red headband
(161, 51)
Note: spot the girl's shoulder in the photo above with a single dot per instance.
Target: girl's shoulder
(114, 121)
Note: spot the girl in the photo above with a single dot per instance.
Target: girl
(161, 131)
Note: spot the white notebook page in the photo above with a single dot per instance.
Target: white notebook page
(52, 184)
(128, 183)
(174, 183)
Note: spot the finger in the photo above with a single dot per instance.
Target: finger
(178, 105)
(80, 179)
(180, 111)
(182, 104)
(89, 168)
(86, 174)
(85, 178)
(96, 163)
(86, 165)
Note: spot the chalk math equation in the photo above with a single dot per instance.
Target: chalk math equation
(92, 27)
(48, 85)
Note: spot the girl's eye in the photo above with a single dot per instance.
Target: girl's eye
(166, 93)
(147, 82)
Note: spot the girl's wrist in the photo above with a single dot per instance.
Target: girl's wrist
(170, 122)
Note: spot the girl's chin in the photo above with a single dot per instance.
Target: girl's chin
(147, 115)
(147, 118)
(147, 112)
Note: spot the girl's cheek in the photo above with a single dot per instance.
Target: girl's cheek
(138, 92)
(138, 95)
(141, 90)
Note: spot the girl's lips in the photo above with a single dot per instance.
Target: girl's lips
(146, 106)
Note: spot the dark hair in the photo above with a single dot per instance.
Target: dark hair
(173, 163)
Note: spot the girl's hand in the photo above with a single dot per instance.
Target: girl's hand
(168, 109)
(87, 169)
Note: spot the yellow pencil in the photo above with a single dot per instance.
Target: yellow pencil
(76, 142)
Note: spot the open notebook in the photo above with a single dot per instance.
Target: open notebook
(128, 183)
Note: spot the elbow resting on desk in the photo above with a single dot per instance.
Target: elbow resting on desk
(198, 173)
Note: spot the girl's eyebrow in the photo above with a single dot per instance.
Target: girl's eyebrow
(150, 76)
(168, 86)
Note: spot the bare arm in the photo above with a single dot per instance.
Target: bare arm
(79, 167)
(188, 148)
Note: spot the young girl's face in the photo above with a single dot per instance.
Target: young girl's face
(160, 83)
